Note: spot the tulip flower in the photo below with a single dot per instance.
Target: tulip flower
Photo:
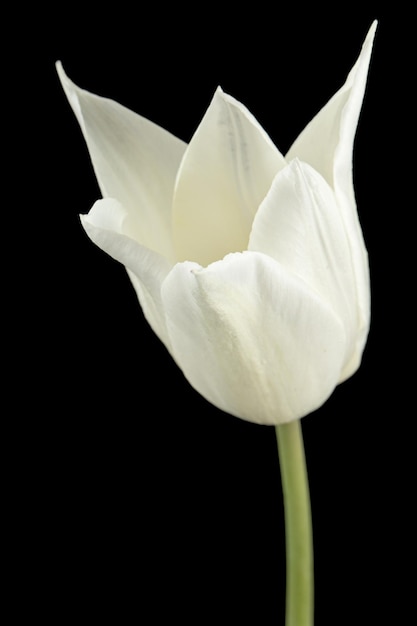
(250, 266)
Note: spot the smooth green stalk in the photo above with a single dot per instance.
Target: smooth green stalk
(298, 528)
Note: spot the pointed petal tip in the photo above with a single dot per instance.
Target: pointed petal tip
(220, 93)
(60, 71)
(373, 27)
(227, 98)
(72, 90)
(65, 81)
(68, 86)
(369, 40)
(371, 33)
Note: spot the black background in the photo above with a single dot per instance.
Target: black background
(142, 502)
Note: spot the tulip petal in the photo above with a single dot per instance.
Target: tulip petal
(327, 141)
(327, 144)
(225, 174)
(252, 338)
(299, 224)
(135, 161)
(147, 269)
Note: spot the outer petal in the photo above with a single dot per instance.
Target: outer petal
(327, 141)
(327, 144)
(104, 224)
(299, 224)
(134, 160)
(226, 171)
(253, 339)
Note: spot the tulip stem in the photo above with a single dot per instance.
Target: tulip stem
(298, 526)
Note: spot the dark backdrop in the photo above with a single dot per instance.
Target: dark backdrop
(148, 505)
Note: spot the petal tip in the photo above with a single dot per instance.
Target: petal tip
(373, 28)
(371, 34)
(65, 81)
(72, 92)
(221, 94)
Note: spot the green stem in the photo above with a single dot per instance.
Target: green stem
(298, 528)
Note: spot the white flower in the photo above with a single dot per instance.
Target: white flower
(249, 266)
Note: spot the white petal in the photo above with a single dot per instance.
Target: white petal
(147, 269)
(327, 144)
(299, 224)
(253, 339)
(327, 141)
(225, 173)
(134, 160)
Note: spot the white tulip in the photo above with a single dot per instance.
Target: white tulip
(249, 266)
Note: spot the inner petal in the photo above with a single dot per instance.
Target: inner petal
(224, 175)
